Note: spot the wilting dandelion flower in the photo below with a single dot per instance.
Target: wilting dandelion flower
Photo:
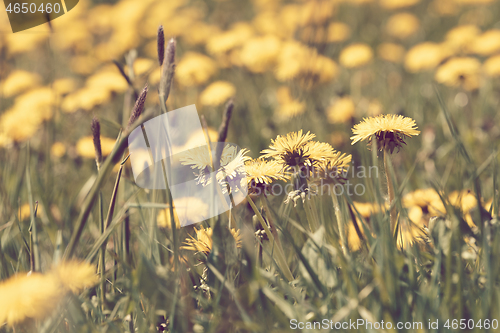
(32, 296)
(203, 240)
(389, 130)
(217, 93)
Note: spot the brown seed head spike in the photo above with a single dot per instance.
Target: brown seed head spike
(160, 39)
(96, 136)
(138, 107)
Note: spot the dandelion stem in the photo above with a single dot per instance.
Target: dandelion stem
(340, 223)
(280, 256)
(390, 189)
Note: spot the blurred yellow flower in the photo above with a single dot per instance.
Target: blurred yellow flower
(391, 52)
(460, 72)
(64, 85)
(228, 40)
(24, 42)
(75, 36)
(492, 66)
(58, 149)
(341, 111)
(85, 146)
(217, 93)
(389, 130)
(355, 55)
(290, 60)
(75, 276)
(318, 69)
(444, 7)
(108, 79)
(402, 25)
(397, 4)
(194, 69)
(155, 76)
(32, 296)
(288, 106)
(191, 209)
(19, 81)
(25, 212)
(425, 56)
(487, 43)
(198, 33)
(85, 99)
(141, 66)
(459, 38)
(83, 64)
(367, 209)
(316, 12)
(258, 54)
(338, 32)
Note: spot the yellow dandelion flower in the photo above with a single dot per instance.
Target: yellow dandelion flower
(289, 149)
(32, 296)
(258, 54)
(163, 219)
(194, 69)
(85, 146)
(338, 32)
(203, 241)
(397, 4)
(25, 212)
(389, 130)
(260, 171)
(402, 25)
(318, 69)
(217, 93)
(288, 106)
(492, 66)
(422, 198)
(85, 99)
(198, 33)
(425, 56)
(355, 55)
(332, 170)
(459, 72)
(459, 38)
(353, 240)
(18, 124)
(409, 234)
(58, 149)
(24, 42)
(391, 52)
(341, 111)
(19, 81)
(486, 44)
(75, 275)
(228, 40)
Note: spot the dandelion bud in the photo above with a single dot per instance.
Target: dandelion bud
(160, 39)
(96, 135)
(139, 106)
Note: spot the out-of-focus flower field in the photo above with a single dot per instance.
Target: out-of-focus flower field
(411, 237)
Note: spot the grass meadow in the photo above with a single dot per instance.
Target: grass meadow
(368, 169)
